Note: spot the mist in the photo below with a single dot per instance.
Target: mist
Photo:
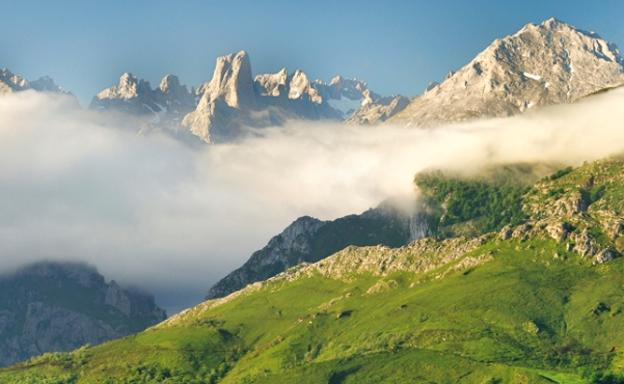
(151, 211)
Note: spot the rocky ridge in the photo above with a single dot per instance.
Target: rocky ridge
(308, 240)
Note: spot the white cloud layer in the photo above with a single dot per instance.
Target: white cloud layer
(173, 218)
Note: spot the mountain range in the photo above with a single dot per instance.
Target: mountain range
(223, 108)
(549, 63)
(496, 278)
(10, 82)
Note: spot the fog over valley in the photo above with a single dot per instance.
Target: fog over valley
(150, 210)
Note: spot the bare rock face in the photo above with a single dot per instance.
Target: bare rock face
(231, 81)
(549, 63)
(290, 247)
(51, 306)
(220, 114)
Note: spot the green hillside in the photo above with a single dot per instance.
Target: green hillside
(540, 299)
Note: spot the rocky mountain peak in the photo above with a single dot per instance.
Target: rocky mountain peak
(549, 63)
(128, 87)
(232, 81)
(176, 99)
(271, 84)
(46, 84)
(163, 106)
(10, 82)
(170, 84)
(300, 86)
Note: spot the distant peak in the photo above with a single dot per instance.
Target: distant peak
(553, 23)
(127, 76)
(170, 78)
(552, 20)
(46, 84)
(169, 82)
(335, 80)
(240, 56)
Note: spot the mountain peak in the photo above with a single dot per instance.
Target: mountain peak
(549, 63)
(169, 83)
(46, 84)
(128, 87)
(232, 80)
(271, 84)
(10, 82)
(553, 22)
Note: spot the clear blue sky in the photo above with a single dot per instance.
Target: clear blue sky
(397, 46)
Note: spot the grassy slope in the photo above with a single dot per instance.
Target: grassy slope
(517, 318)
(534, 313)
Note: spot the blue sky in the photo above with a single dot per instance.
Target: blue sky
(397, 46)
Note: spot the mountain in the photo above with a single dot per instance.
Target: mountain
(549, 63)
(308, 240)
(51, 306)
(233, 101)
(10, 82)
(537, 301)
(392, 224)
(164, 106)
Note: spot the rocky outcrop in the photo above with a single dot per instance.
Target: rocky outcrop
(308, 240)
(420, 256)
(61, 306)
(549, 63)
(578, 208)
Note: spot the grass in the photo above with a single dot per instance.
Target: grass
(535, 312)
(522, 317)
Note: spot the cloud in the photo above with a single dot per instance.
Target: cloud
(173, 218)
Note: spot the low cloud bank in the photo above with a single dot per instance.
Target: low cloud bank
(152, 211)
